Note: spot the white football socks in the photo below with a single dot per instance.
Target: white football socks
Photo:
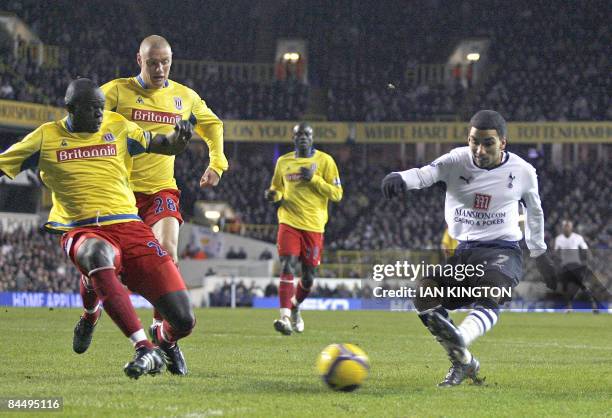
(477, 323)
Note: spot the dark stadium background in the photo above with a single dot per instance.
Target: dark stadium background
(361, 62)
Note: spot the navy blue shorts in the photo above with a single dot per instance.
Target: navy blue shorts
(500, 261)
(505, 257)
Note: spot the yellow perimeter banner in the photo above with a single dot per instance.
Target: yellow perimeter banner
(273, 131)
(27, 115)
(15, 114)
(453, 132)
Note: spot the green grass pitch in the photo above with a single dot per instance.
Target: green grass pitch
(535, 365)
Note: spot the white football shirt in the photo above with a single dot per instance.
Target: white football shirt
(483, 204)
(569, 247)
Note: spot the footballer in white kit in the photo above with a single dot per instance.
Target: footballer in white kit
(484, 186)
(570, 248)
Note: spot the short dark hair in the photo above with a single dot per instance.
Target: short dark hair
(77, 88)
(490, 119)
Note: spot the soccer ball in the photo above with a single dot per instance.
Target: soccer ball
(343, 366)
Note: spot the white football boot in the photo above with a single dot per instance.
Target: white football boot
(283, 325)
(296, 319)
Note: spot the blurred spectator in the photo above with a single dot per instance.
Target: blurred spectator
(266, 255)
(6, 89)
(271, 290)
(231, 254)
(194, 251)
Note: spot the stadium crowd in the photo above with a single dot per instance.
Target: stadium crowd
(92, 51)
(32, 261)
(552, 71)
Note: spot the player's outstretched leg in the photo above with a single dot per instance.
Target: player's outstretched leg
(463, 364)
(84, 329)
(97, 256)
(426, 307)
(479, 321)
(437, 320)
(179, 321)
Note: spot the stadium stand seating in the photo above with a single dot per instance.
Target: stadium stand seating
(362, 72)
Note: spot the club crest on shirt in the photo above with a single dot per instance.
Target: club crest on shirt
(482, 201)
(510, 180)
(64, 143)
(178, 103)
(139, 100)
(109, 137)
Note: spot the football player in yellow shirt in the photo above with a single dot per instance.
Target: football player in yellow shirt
(85, 160)
(448, 244)
(155, 102)
(304, 181)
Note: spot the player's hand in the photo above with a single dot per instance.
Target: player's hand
(173, 143)
(270, 195)
(183, 130)
(393, 185)
(547, 269)
(210, 178)
(306, 173)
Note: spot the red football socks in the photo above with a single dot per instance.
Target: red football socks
(286, 290)
(168, 336)
(157, 316)
(301, 293)
(90, 301)
(116, 300)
